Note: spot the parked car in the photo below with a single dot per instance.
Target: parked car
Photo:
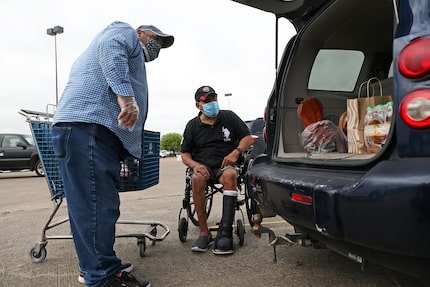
(370, 207)
(164, 153)
(18, 152)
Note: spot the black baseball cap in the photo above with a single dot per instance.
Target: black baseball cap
(203, 92)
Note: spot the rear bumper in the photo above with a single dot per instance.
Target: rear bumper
(386, 208)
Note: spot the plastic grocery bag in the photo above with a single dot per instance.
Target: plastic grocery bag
(322, 137)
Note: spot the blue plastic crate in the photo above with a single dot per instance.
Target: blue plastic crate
(136, 174)
(141, 174)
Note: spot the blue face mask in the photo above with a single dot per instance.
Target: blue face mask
(211, 109)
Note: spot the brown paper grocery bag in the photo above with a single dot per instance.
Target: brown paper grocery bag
(356, 112)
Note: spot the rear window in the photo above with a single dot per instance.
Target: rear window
(336, 70)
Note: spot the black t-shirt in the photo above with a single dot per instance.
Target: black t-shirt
(208, 144)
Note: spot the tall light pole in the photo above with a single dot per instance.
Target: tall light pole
(228, 98)
(53, 32)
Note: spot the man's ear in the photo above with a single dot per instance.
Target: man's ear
(141, 36)
(198, 105)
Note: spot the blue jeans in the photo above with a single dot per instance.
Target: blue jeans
(89, 156)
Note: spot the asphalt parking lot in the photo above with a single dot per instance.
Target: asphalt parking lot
(25, 206)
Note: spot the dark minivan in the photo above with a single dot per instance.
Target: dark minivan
(371, 206)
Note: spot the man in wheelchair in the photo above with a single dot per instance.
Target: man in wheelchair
(212, 144)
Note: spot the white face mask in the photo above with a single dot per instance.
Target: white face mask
(151, 49)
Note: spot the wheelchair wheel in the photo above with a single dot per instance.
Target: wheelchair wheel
(183, 229)
(191, 211)
(240, 231)
(251, 206)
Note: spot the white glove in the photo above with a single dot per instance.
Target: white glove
(127, 118)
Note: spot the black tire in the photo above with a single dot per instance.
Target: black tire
(141, 243)
(183, 229)
(38, 168)
(240, 230)
(251, 206)
(37, 257)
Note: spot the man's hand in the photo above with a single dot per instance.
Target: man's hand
(201, 169)
(231, 158)
(129, 112)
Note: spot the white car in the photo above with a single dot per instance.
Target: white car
(164, 153)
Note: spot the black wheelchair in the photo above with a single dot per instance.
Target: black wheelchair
(211, 189)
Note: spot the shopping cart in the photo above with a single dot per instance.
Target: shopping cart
(136, 174)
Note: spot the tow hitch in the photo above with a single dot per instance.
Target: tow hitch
(274, 240)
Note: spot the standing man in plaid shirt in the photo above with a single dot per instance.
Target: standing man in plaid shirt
(98, 122)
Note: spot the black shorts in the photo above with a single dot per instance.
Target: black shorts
(215, 173)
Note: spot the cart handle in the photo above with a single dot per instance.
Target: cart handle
(33, 115)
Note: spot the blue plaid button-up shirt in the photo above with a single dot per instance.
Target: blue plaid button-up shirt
(112, 65)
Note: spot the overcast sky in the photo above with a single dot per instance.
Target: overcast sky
(220, 43)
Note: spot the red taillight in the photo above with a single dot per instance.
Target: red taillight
(414, 109)
(254, 138)
(301, 198)
(414, 59)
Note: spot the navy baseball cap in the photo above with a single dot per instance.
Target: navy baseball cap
(203, 92)
(167, 39)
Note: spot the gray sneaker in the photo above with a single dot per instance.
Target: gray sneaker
(202, 243)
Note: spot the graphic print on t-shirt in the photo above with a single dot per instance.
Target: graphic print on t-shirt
(226, 134)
